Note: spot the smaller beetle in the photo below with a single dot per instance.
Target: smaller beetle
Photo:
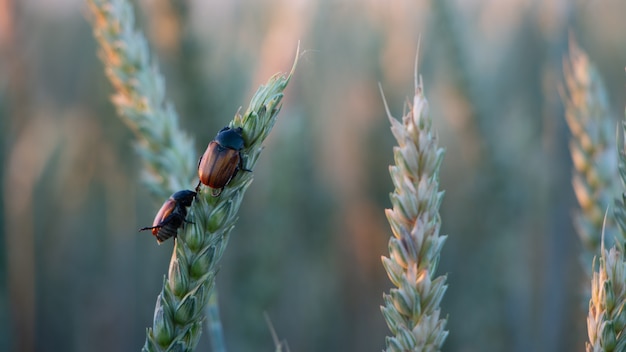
(221, 160)
(171, 216)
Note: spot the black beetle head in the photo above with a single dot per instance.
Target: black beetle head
(230, 138)
(184, 197)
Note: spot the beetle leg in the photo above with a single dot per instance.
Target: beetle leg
(200, 182)
(187, 221)
(150, 228)
(241, 167)
(219, 191)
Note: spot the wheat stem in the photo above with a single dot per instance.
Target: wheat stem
(214, 326)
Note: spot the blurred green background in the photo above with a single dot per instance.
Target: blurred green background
(76, 276)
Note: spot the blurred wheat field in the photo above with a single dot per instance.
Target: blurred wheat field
(76, 276)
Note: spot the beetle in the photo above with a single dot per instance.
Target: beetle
(222, 160)
(171, 216)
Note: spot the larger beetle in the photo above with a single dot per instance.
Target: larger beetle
(171, 216)
(222, 160)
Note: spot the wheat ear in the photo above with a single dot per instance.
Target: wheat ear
(171, 161)
(606, 322)
(167, 151)
(412, 308)
(592, 149)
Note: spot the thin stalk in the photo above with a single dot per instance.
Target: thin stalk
(214, 326)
